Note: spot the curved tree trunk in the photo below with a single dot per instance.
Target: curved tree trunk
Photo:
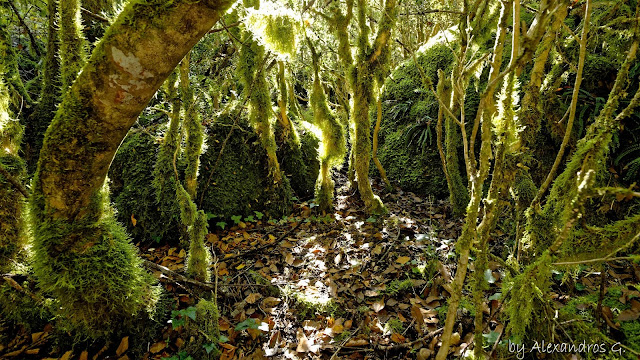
(82, 256)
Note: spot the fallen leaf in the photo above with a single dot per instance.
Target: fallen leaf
(124, 346)
(36, 336)
(67, 355)
(402, 260)
(395, 337)
(252, 298)
(289, 258)
(378, 305)
(133, 220)
(305, 345)
(157, 347)
(628, 315)
(84, 355)
(357, 342)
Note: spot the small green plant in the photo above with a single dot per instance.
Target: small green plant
(629, 159)
(249, 218)
(179, 317)
(259, 215)
(236, 219)
(250, 323)
(394, 325)
(221, 224)
(182, 355)
(419, 135)
(397, 286)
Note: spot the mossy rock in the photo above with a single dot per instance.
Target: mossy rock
(413, 164)
(299, 161)
(240, 184)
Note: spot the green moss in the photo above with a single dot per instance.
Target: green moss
(12, 238)
(239, 183)
(154, 208)
(92, 269)
(73, 52)
(405, 100)
(418, 173)
(299, 162)
(276, 27)
(20, 309)
(203, 331)
(398, 286)
(309, 305)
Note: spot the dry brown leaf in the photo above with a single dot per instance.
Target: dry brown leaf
(378, 305)
(157, 347)
(395, 337)
(124, 346)
(628, 315)
(133, 220)
(270, 302)
(84, 355)
(67, 355)
(305, 345)
(402, 260)
(252, 298)
(289, 258)
(357, 342)
(416, 313)
(36, 336)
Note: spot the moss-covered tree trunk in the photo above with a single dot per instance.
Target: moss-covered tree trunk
(49, 95)
(333, 146)
(361, 76)
(252, 58)
(73, 51)
(82, 256)
(11, 240)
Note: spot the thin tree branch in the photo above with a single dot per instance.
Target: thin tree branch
(224, 28)
(95, 16)
(32, 39)
(14, 181)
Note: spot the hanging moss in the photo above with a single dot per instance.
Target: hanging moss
(154, 208)
(251, 72)
(276, 27)
(164, 178)
(193, 129)
(195, 221)
(333, 147)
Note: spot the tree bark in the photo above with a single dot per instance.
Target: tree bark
(82, 256)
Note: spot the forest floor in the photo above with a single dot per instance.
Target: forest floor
(337, 286)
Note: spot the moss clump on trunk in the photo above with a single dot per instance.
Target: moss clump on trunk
(91, 268)
(11, 200)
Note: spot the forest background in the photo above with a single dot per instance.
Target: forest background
(389, 178)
